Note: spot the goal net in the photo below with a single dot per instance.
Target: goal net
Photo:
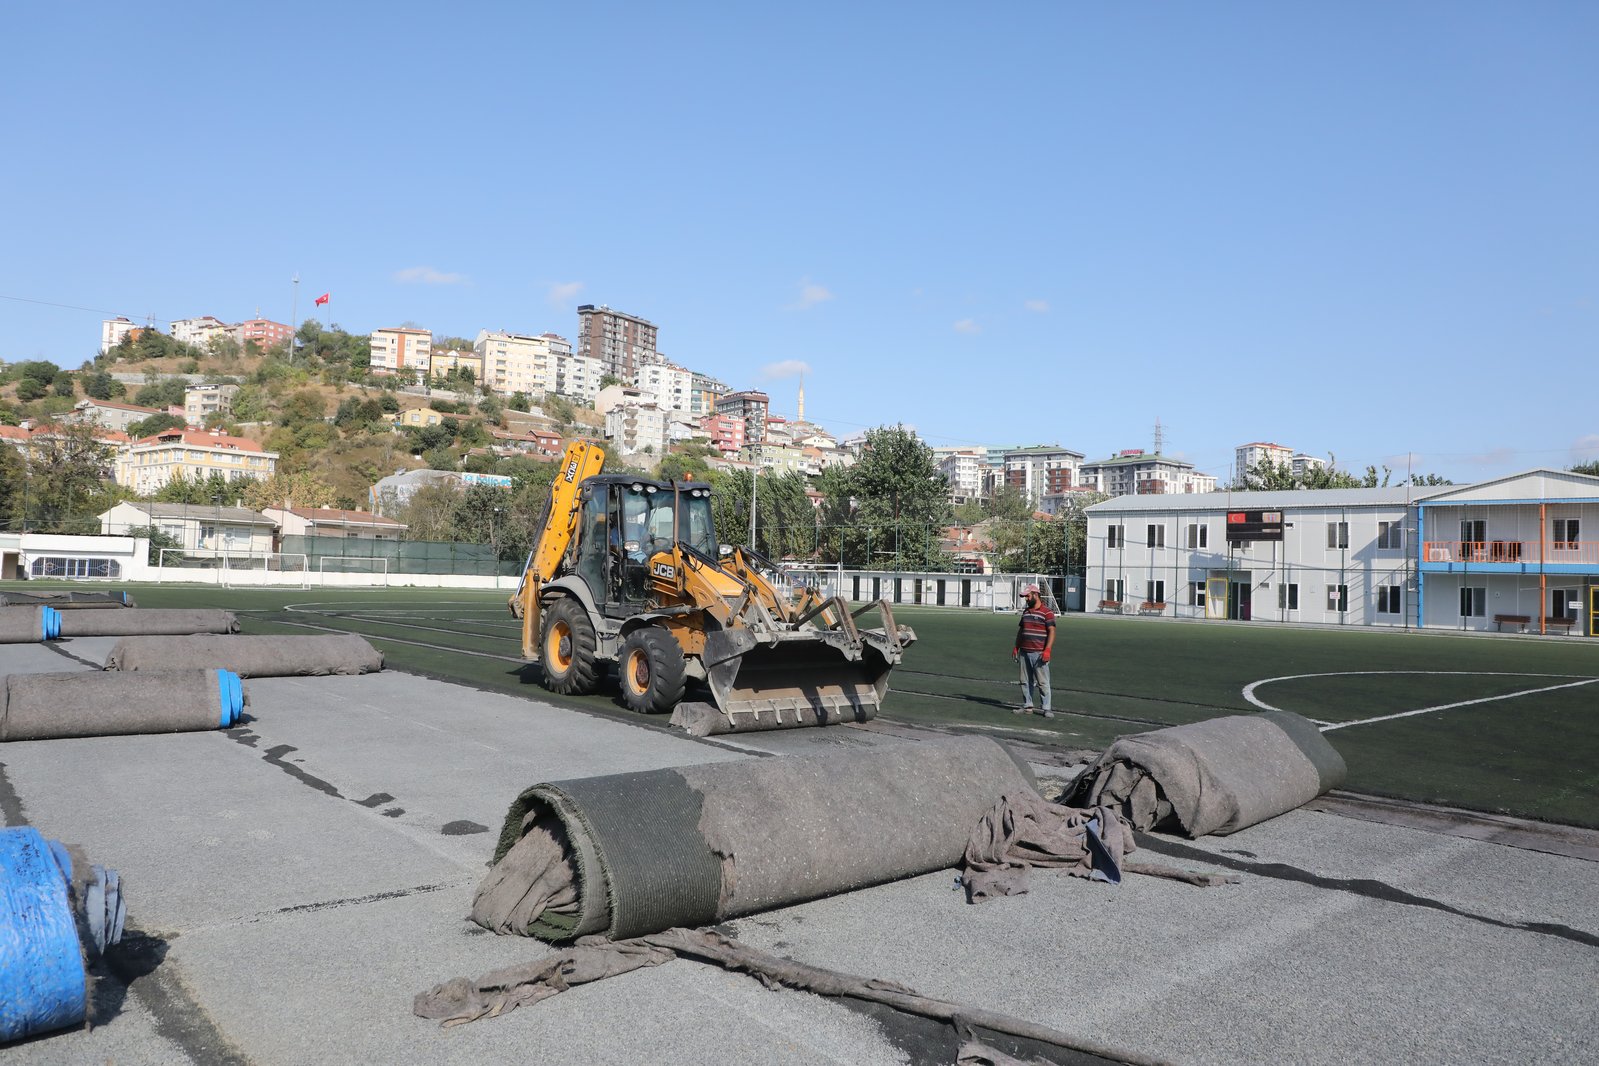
(355, 569)
(233, 569)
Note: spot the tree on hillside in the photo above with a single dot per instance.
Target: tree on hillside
(164, 392)
(785, 522)
(890, 506)
(1591, 467)
(99, 385)
(13, 487)
(283, 489)
(155, 424)
(68, 487)
(215, 488)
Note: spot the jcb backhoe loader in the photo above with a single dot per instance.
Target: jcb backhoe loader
(629, 571)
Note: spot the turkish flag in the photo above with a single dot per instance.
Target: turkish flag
(320, 300)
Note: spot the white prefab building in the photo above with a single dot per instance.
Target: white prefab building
(1505, 555)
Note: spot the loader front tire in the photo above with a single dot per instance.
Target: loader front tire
(651, 670)
(567, 650)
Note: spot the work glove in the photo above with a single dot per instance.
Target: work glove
(1046, 655)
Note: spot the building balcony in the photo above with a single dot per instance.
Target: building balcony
(1509, 555)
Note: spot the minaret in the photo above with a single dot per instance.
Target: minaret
(801, 416)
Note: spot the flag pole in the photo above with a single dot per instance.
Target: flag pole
(294, 316)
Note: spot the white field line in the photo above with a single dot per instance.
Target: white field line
(1249, 691)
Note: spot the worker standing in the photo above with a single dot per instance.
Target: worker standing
(1035, 639)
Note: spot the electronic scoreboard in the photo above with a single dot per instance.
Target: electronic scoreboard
(1254, 525)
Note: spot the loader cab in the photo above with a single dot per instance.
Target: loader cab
(626, 521)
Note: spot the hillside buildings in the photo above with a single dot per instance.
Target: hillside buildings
(198, 332)
(1247, 456)
(619, 341)
(1042, 471)
(113, 331)
(1134, 472)
(750, 407)
(146, 465)
(405, 352)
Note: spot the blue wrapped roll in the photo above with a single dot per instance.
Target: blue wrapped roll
(44, 984)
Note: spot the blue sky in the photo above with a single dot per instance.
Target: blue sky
(1369, 229)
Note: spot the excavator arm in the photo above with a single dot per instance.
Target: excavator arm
(583, 459)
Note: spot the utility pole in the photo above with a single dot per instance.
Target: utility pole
(294, 315)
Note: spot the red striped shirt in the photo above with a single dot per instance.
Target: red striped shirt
(1032, 634)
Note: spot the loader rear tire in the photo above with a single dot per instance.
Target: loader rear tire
(650, 667)
(567, 650)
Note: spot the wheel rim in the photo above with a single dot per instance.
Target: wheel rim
(638, 671)
(558, 646)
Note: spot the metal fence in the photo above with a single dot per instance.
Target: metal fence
(359, 555)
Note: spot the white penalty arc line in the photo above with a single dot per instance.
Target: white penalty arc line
(1249, 691)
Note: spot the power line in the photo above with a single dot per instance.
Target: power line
(73, 307)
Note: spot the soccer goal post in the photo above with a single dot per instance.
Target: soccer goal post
(354, 569)
(288, 569)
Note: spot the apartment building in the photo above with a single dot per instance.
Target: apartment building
(751, 408)
(670, 385)
(117, 416)
(1506, 555)
(198, 332)
(113, 331)
(726, 433)
(1136, 472)
(261, 332)
(1042, 471)
(407, 353)
(704, 392)
(210, 530)
(201, 402)
(634, 427)
(963, 469)
(149, 463)
(442, 362)
(619, 341)
(518, 362)
(1248, 455)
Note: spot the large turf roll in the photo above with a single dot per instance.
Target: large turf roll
(249, 656)
(638, 853)
(1216, 776)
(64, 601)
(55, 911)
(144, 621)
(83, 704)
(29, 625)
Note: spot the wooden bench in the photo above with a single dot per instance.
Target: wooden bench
(1111, 606)
(1521, 621)
(1151, 607)
(1561, 623)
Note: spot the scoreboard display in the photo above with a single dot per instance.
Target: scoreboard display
(1254, 525)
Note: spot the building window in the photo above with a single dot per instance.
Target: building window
(1196, 594)
(1567, 534)
(1473, 531)
(1113, 589)
(1288, 596)
(1157, 536)
(1115, 537)
(1338, 598)
(1337, 534)
(1390, 535)
(1390, 599)
(1198, 535)
(1565, 603)
(57, 566)
(1155, 591)
(1473, 602)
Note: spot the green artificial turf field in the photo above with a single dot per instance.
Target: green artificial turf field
(1507, 725)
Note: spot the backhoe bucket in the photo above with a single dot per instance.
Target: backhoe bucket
(792, 678)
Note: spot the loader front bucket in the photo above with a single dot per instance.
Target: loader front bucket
(795, 677)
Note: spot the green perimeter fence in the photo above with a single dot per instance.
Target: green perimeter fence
(353, 555)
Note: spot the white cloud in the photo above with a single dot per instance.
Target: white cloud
(428, 276)
(810, 295)
(788, 368)
(968, 325)
(1039, 306)
(562, 293)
